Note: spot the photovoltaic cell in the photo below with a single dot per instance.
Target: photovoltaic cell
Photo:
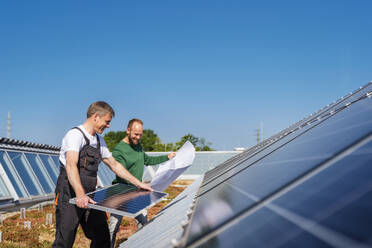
(268, 175)
(333, 208)
(123, 199)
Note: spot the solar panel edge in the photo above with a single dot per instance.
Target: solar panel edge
(312, 120)
(333, 112)
(281, 191)
(116, 211)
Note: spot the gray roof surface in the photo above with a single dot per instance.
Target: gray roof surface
(167, 224)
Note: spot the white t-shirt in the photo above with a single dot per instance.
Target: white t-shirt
(74, 141)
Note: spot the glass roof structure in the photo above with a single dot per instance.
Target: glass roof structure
(29, 171)
(310, 185)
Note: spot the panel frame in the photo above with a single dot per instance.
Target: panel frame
(115, 211)
(8, 184)
(52, 164)
(43, 170)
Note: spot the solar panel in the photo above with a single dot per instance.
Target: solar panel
(231, 163)
(245, 190)
(333, 208)
(123, 199)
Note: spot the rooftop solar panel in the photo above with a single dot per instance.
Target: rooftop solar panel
(123, 199)
(332, 208)
(222, 201)
(324, 112)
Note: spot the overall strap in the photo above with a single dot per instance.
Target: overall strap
(98, 143)
(85, 137)
(87, 140)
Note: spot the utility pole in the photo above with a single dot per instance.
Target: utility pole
(258, 135)
(262, 132)
(8, 126)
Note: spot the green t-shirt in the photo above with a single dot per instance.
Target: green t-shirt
(133, 158)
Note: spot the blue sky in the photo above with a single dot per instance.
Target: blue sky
(216, 69)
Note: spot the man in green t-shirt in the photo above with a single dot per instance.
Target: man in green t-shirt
(130, 154)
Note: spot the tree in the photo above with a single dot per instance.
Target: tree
(112, 138)
(188, 137)
(152, 143)
(150, 140)
(200, 144)
(204, 145)
(165, 147)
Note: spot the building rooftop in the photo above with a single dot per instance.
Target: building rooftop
(307, 186)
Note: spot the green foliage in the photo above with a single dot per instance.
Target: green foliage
(112, 138)
(200, 144)
(152, 143)
(150, 140)
(188, 137)
(203, 145)
(165, 147)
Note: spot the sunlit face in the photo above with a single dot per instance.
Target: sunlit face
(101, 122)
(135, 133)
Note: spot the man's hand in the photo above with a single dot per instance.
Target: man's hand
(144, 186)
(82, 201)
(171, 155)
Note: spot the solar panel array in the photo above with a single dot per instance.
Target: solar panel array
(308, 186)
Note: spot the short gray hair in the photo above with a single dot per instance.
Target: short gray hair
(101, 108)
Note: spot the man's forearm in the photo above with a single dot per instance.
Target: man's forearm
(125, 174)
(120, 171)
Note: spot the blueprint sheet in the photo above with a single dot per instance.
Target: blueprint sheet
(173, 168)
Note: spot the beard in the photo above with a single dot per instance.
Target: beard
(132, 141)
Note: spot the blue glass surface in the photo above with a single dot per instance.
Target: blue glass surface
(264, 228)
(4, 192)
(339, 198)
(50, 167)
(306, 152)
(29, 180)
(40, 172)
(124, 198)
(109, 173)
(251, 158)
(102, 173)
(57, 164)
(332, 208)
(12, 175)
(286, 164)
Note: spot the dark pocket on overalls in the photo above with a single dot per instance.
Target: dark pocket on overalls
(91, 159)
